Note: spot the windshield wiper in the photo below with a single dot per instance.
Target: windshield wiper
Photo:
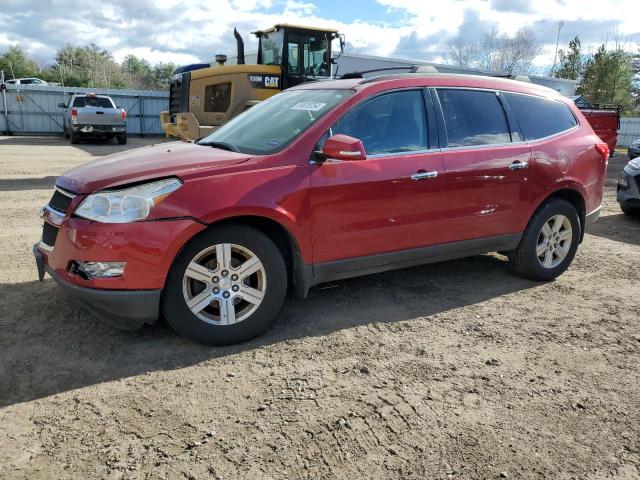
(221, 145)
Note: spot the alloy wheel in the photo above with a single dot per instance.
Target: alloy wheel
(554, 241)
(224, 284)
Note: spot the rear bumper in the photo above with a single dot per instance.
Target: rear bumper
(592, 217)
(99, 129)
(126, 309)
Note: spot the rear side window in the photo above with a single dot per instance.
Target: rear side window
(539, 117)
(391, 123)
(96, 102)
(217, 97)
(473, 117)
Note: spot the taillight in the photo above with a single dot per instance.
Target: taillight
(602, 149)
(124, 114)
(74, 114)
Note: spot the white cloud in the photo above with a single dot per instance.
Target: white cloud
(184, 31)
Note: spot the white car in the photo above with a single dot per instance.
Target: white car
(26, 81)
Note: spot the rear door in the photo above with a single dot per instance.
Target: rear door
(389, 202)
(486, 162)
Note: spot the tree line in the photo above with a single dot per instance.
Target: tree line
(608, 76)
(89, 66)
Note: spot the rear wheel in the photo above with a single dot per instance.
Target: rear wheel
(549, 243)
(226, 286)
(122, 139)
(75, 137)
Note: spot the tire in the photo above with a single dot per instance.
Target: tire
(75, 138)
(66, 134)
(632, 212)
(525, 260)
(122, 139)
(207, 323)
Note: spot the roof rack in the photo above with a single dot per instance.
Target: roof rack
(409, 68)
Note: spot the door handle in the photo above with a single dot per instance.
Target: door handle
(518, 165)
(424, 175)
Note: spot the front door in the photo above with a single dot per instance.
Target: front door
(389, 202)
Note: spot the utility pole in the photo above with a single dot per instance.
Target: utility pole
(4, 103)
(555, 56)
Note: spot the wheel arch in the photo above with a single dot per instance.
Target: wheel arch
(298, 272)
(575, 197)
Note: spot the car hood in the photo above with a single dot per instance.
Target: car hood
(181, 159)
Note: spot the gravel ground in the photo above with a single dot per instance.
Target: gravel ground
(454, 370)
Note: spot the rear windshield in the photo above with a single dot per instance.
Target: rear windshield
(96, 102)
(276, 122)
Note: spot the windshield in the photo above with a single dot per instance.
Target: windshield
(274, 123)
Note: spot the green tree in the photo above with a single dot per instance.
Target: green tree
(162, 73)
(608, 78)
(137, 72)
(571, 64)
(15, 64)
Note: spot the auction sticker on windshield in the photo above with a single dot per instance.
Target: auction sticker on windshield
(313, 106)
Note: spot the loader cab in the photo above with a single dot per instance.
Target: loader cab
(303, 53)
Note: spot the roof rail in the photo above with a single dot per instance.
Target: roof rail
(360, 74)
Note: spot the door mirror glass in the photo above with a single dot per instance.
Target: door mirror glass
(62, 105)
(344, 147)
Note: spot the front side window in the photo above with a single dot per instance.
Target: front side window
(271, 48)
(274, 123)
(217, 97)
(473, 117)
(539, 117)
(390, 123)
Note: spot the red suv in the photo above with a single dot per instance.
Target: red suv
(324, 181)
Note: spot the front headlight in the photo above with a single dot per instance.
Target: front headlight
(126, 205)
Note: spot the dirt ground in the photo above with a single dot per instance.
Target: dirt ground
(454, 370)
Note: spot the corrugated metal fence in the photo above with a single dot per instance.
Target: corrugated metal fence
(629, 131)
(34, 109)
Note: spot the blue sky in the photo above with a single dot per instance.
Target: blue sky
(185, 31)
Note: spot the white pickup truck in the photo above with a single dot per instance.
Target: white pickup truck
(91, 115)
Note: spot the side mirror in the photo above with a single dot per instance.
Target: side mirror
(344, 147)
(62, 105)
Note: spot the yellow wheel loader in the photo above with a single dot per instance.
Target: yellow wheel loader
(204, 97)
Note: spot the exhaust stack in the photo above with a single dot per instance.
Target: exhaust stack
(240, 57)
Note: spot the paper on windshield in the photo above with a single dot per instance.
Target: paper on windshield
(312, 106)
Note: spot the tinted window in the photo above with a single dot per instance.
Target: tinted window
(394, 122)
(539, 117)
(217, 97)
(473, 117)
(96, 102)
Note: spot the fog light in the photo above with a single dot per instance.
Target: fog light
(93, 270)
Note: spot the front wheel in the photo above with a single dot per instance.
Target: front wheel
(226, 286)
(632, 212)
(549, 242)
